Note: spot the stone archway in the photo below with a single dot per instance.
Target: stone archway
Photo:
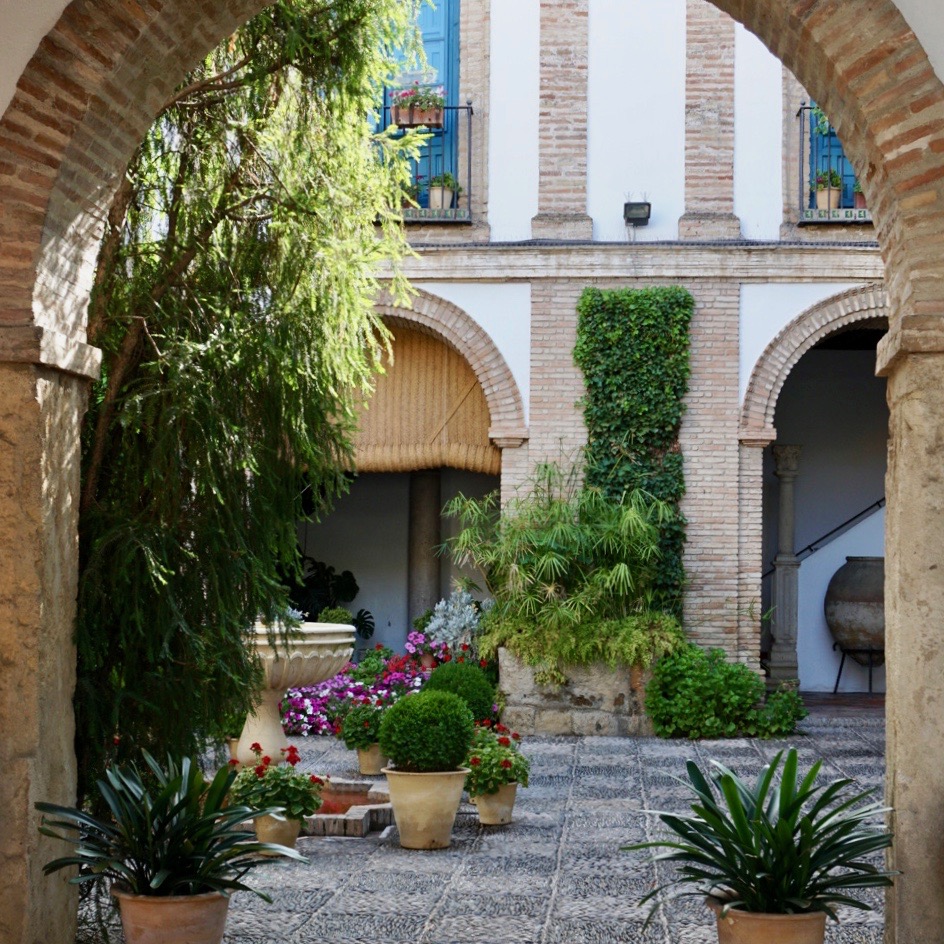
(862, 306)
(81, 106)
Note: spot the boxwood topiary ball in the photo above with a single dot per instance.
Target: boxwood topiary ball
(427, 732)
(467, 681)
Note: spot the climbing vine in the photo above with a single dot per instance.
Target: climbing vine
(633, 349)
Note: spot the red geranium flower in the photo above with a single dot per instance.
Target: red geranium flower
(483, 663)
(475, 761)
(233, 762)
(260, 771)
(464, 647)
(515, 736)
(266, 761)
(255, 746)
(505, 742)
(316, 780)
(506, 764)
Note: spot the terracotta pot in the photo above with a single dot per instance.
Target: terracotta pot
(410, 116)
(859, 201)
(495, 808)
(370, 761)
(172, 919)
(828, 198)
(425, 806)
(281, 831)
(745, 927)
(428, 660)
(855, 606)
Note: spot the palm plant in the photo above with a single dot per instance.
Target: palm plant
(170, 833)
(781, 847)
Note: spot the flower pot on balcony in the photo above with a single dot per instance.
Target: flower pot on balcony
(411, 116)
(859, 201)
(440, 198)
(828, 198)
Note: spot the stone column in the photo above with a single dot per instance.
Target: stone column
(783, 658)
(424, 538)
(562, 185)
(914, 643)
(43, 395)
(709, 125)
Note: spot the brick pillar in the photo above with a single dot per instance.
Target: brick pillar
(914, 642)
(709, 441)
(750, 542)
(514, 463)
(562, 187)
(709, 125)
(40, 416)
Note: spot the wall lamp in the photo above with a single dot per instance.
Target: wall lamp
(637, 214)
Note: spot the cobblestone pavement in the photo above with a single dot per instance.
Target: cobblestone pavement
(556, 875)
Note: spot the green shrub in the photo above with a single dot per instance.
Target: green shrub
(335, 614)
(696, 693)
(427, 732)
(467, 681)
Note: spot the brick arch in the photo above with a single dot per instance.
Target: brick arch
(887, 104)
(858, 305)
(444, 320)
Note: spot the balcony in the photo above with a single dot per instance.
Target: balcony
(827, 183)
(448, 151)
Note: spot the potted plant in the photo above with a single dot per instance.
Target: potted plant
(280, 797)
(496, 768)
(774, 859)
(426, 737)
(828, 187)
(444, 189)
(425, 650)
(360, 731)
(858, 196)
(418, 105)
(174, 846)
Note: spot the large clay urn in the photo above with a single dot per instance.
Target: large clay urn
(315, 652)
(855, 606)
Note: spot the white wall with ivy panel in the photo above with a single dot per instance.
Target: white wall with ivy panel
(758, 137)
(513, 119)
(636, 116)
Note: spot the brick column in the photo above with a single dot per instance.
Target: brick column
(750, 542)
(709, 442)
(40, 416)
(709, 125)
(562, 188)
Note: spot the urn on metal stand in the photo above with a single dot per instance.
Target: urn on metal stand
(313, 652)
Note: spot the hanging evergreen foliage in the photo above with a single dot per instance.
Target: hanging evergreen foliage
(633, 348)
(233, 303)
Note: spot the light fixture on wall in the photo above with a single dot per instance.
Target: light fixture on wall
(637, 214)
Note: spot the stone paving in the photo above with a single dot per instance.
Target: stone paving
(556, 875)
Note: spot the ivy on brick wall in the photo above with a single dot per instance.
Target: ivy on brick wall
(633, 349)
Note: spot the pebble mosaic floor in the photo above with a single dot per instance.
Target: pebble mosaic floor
(556, 875)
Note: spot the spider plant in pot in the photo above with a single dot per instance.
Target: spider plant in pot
(776, 858)
(172, 847)
(426, 736)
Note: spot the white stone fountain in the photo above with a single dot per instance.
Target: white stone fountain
(314, 652)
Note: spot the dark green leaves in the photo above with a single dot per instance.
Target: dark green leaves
(781, 846)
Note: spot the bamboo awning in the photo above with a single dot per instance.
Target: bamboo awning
(428, 411)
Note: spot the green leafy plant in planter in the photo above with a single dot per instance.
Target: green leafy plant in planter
(170, 837)
(697, 693)
(571, 573)
(827, 179)
(496, 769)
(361, 726)
(268, 786)
(426, 736)
(782, 847)
(447, 181)
(469, 682)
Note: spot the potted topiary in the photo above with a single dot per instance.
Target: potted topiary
(360, 731)
(496, 768)
(426, 737)
(773, 860)
(444, 189)
(468, 681)
(281, 797)
(174, 846)
(828, 187)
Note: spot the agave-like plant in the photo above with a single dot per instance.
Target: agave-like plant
(177, 837)
(784, 846)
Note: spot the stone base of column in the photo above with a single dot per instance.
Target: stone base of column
(709, 226)
(562, 226)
